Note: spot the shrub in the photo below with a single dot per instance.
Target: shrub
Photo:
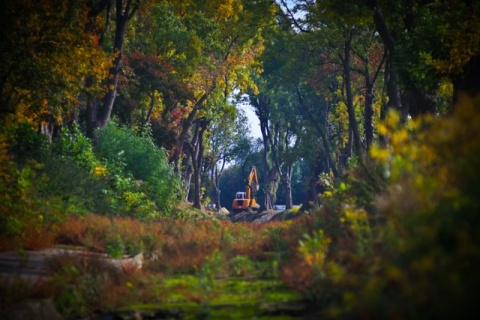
(25, 143)
(144, 161)
(73, 144)
(80, 191)
(23, 211)
(414, 255)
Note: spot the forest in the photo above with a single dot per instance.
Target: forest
(124, 136)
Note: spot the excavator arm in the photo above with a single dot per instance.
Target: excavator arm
(252, 182)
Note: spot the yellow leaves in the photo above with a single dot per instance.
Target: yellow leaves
(355, 215)
(327, 193)
(100, 171)
(356, 219)
(393, 119)
(380, 154)
(399, 137)
(405, 147)
(226, 10)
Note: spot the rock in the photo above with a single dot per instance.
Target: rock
(224, 210)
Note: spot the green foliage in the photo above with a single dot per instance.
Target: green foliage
(23, 208)
(127, 154)
(26, 143)
(115, 247)
(242, 266)
(73, 144)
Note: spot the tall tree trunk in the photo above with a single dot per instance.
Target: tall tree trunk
(91, 115)
(92, 102)
(197, 149)
(392, 80)
(468, 82)
(393, 87)
(218, 191)
(98, 116)
(271, 187)
(321, 131)
(369, 97)
(186, 125)
(271, 178)
(369, 114)
(216, 177)
(287, 186)
(153, 102)
(350, 107)
(123, 15)
(312, 200)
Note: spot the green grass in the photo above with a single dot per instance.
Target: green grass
(234, 298)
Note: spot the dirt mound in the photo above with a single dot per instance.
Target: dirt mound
(261, 217)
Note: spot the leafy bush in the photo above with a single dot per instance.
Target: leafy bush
(414, 252)
(79, 190)
(73, 144)
(44, 184)
(144, 161)
(25, 143)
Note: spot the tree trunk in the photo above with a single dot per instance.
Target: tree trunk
(350, 107)
(186, 125)
(468, 82)
(391, 76)
(321, 130)
(218, 192)
(153, 102)
(270, 171)
(311, 200)
(393, 88)
(98, 117)
(217, 174)
(271, 187)
(188, 178)
(92, 102)
(197, 149)
(369, 113)
(120, 29)
(287, 185)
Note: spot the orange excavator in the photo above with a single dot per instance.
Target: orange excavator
(245, 200)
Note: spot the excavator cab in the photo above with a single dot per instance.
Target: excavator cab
(244, 200)
(241, 195)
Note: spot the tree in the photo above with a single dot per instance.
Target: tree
(227, 138)
(150, 88)
(97, 116)
(230, 36)
(46, 54)
(425, 41)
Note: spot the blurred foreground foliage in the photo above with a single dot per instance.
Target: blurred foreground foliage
(400, 238)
